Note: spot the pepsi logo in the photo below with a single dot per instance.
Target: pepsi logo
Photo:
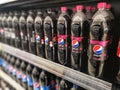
(36, 84)
(98, 49)
(24, 76)
(46, 39)
(37, 37)
(60, 41)
(75, 43)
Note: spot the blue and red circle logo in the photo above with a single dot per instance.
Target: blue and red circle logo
(75, 43)
(46, 39)
(60, 41)
(98, 49)
(37, 37)
(36, 85)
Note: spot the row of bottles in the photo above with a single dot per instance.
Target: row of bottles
(81, 41)
(32, 77)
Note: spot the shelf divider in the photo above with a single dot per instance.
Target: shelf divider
(76, 77)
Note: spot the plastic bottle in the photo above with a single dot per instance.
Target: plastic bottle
(79, 35)
(31, 32)
(63, 33)
(23, 31)
(39, 34)
(1, 28)
(16, 40)
(35, 76)
(100, 38)
(29, 77)
(10, 29)
(24, 76)
(50, 36)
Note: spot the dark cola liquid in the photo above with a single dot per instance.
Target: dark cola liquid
(50, 37)
(63, 31)
(23, 32)
(100, 39)
(31, 33)
(39, 36)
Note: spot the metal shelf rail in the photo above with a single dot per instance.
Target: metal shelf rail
(9, 80)
(76, 77)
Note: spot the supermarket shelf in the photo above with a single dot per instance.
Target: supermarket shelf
(78, 78)
(9, 80)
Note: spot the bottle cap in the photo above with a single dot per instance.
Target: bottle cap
(108, 6)
(79, 7)
(63, 8)
(88, 8)
(101, 5)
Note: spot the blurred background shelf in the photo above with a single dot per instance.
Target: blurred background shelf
(76, 77)
(10, 81)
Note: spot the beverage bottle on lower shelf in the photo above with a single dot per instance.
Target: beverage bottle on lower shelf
(57, 83)
(10, 29)
(31, 32)
(79, 37)
(11, 66)
(16, 40)
(29, 77)
(64, 85)
(8, 63)
(24, 76)
(5, 27)
(1, 28)
(23, 31)
(35, 76)
(39, 34)
(19, 73)
(100, 40)
(45, 81)
(50, 36)
(63, 33)
(4, 65)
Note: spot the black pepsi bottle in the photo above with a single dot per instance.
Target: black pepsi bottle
(23, 31)
(5, 27)
(100, 40)
(35, 76)
(10, 29)
(31, 32)
(19, 73)
(39, 34)
(29, 77)
(63, 33)
(50, 36)
(24, 76)
(45, 80)
(79, 34)
(16, 30)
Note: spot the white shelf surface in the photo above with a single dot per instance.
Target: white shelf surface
(86, 81)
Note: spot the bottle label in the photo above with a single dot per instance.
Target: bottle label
(45, 88)
(24, 78)
(37, 38)
(19, 74)
(30, 81)
(1, 31)
(46, 40)
(36, 86)
(10, 69)
(56, 87)
(98, 48)
(76, 44)
(14, 72)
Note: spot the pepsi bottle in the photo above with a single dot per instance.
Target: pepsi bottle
(5, 28)
(39, 34)
(45, 81)
(11, 65)
(29, 77)
(16, 41)
(8, 64)
(79, 34)
(1, 28)
(19, 73)
(23, 31)
(100, 40)
(10, 29)
(35, 75)
(24, 76)
(50, 36)
(57, 83)
(31, 32)
(63, 33)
